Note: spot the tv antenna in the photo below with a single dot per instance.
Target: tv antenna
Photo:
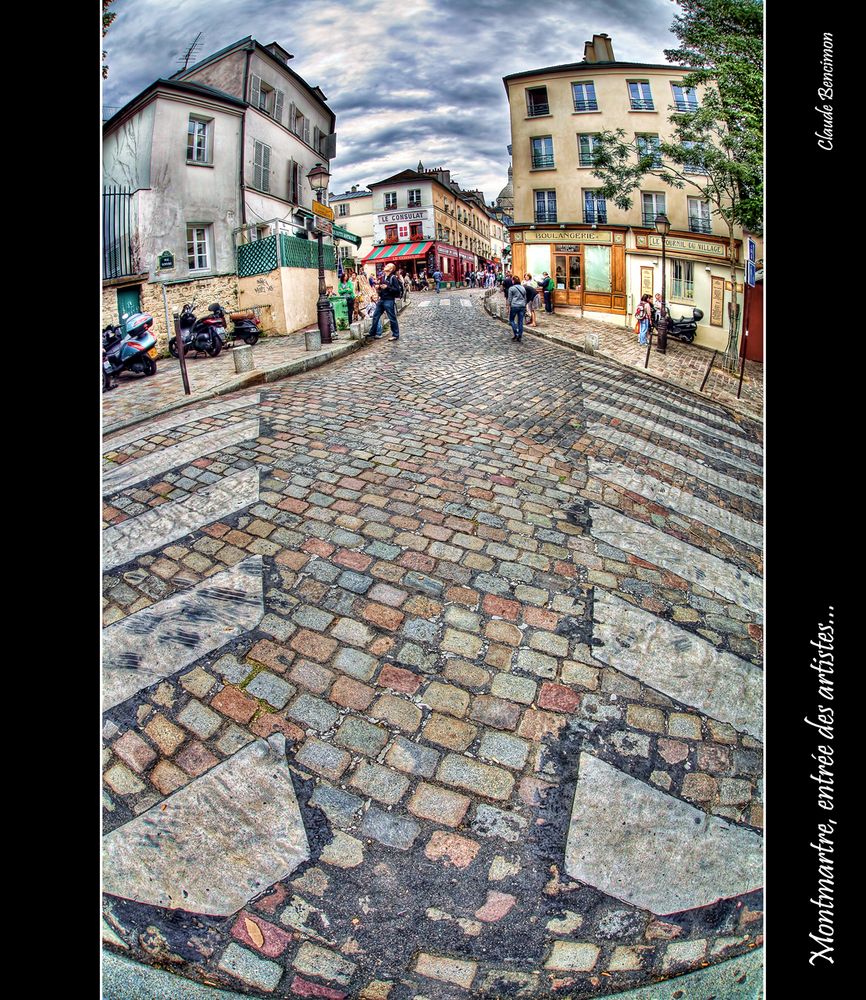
(190, 52)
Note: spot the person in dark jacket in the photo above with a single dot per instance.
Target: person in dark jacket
(547, 287)
(389, 288)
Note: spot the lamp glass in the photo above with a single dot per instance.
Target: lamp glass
(663, 224)
(318, 177)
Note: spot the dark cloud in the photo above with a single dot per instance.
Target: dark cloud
(421, 81)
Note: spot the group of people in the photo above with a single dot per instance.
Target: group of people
(524, 299)
(646, 315)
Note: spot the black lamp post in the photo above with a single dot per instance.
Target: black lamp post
(663, 227)
(318, 178)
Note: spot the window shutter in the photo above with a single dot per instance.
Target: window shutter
(278, 106)
(316, 139)
(293, 197)
(255, 90)
(306, 135)
(293, 126)
(330, 150)
(266, 168)
(257, 164)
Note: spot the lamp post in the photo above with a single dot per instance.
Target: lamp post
(663, 227)
(318, 178)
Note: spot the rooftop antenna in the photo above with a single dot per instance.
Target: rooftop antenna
(190, 52)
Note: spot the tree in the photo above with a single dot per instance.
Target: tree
(107, 17)
(716, 147)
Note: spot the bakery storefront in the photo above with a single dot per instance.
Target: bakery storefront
(587, 264)
(698, 275)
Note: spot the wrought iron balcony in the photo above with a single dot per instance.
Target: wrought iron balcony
(700, 224)
(694, 168)
(413, 204)
(542, 161)
(586, 159)
(642, 104)
(648, 219)
(596, 215)
(545, 216)
(586, 105)
(536, 110)
(685, 105)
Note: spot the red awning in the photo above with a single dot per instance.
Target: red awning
(401, 251)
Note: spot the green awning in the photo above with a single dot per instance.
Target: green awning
(344, 234)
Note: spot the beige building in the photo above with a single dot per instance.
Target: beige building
(353, 210)
(601, 257)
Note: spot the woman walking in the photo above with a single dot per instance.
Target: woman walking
(643, 316)
(531, 300)
(346, 288)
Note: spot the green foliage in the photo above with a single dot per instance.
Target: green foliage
(107, 17)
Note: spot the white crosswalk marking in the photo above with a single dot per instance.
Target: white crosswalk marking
(424, 303)
(444, 302)
(466, 303)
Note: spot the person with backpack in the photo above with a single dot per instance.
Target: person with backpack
(390, 288)
(516, 308)
(643, 318)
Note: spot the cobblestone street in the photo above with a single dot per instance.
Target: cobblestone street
(436, 673)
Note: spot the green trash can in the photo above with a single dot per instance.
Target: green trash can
(341, 311)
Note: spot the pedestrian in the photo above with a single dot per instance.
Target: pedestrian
(390, 288)
(507, 282)
(531, 300)
(437, 278)
(547, 287)
(643, 318)
(516, 308)
(346, 288)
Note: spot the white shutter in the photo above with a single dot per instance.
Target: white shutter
(293, 125)
(278, 106)
(266, 168)
(316, 138)
(306, 135)
(293, 197)
(255, 90)
(257, 164)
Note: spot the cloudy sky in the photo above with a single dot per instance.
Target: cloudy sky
(407, 81)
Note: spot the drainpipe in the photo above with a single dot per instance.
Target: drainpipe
(241, 184)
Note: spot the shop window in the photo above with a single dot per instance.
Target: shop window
(683, 280)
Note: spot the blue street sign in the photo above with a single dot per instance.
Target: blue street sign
(750, 274)
(751, 255)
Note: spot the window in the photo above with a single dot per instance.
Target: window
(542, 152)
(545, 206)
(299, 124)
(699, 216)
(390, 234)
(583, 95)
(197, 251)
(696, 167)
(586, 149)
(648, 145)
(536, 102)
(266, 98)
(261, 166)
(683, 282)
(594, 207)
(198, 140)
(414, 197)
(685, 98)
(343, 209)
(390, 199)
(640, 96)
(652, 204)
(416, 230)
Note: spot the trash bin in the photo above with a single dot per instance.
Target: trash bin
(341, 311)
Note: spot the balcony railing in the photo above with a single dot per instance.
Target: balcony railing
(591, 215)
(536, 110)
(642, 104)
(685, 105)
(549, 216)
(694, 168)
(648, 219)
(586, 159)
(585, 105)
(542, 161)
(413, 204)
(700, 224)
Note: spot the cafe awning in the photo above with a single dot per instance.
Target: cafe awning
(403, 251)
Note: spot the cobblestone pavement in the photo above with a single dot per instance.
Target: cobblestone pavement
(137, 396)
(435, 673)
(681, 364)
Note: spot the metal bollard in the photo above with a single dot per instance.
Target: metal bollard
(313, 340)
(243, 357)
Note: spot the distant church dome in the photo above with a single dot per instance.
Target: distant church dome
(505, 199)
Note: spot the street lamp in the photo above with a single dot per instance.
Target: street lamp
(318, 178)
(663, 227)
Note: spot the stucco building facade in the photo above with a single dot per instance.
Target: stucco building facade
(603, 258)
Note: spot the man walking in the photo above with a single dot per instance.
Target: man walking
(389, 288)
(547, 287)
(516, 308)
(437, 277)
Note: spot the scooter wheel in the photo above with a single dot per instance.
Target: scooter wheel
(214, 348)
(148, 366)
(252, 339)
(172, 348)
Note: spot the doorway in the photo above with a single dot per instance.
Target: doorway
(566, 279)
(128, 301)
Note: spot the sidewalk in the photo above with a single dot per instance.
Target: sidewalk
(682, 364)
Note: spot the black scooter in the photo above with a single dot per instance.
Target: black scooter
(200, 335)
(245, 324)
(684, 328)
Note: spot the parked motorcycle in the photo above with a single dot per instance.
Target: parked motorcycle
(131, 346)
(684, 328)
(201, 335)
(245, 324)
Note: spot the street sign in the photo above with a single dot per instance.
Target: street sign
(324, 226)
(751, 246)
(750, 273)
(166, 261)
(323, 210)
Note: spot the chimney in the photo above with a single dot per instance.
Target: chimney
(354, 187)
(588, 52)
(603, 48)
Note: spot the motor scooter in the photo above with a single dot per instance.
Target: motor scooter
(131, 346)
(683, 328)
(245, 324)
(201, 335)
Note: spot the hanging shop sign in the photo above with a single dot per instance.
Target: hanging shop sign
(323, 211)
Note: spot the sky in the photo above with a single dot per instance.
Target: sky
(407, 81)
